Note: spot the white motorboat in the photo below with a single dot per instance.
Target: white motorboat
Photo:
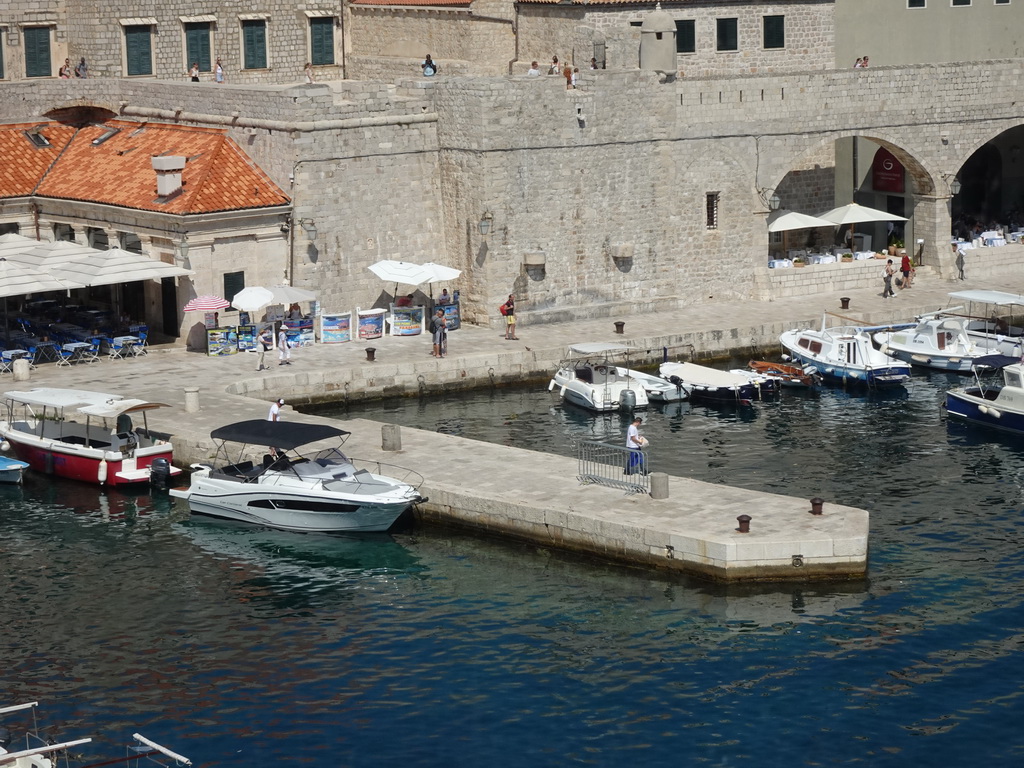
(991, 319)
(844, 355)
(323, 492)
(39, 751)
(938, 340)
(589, 378)
(995, 405)
(85, 435)
(715, 385)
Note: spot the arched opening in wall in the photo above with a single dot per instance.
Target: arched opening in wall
(991, 188)
(80, 115)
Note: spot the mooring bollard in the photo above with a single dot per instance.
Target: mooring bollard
(390, 437)
(620, 326)
(370, 352)
(844, 302)
(816, 506)
(744, 521)
(22, 370)
(659, 485)
(192, 399)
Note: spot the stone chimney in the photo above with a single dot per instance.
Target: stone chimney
(168, 174)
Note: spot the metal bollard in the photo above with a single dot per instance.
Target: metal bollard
(659, 485)
(192, 399)
(370, 352)
(844, 302)
(816, 506)
(390, 437)
(744, 521)
(620, 326)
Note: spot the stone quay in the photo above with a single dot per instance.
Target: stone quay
(524, 494)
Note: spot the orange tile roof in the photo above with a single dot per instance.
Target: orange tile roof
(415, 3)
(218, 175)
(22, 164)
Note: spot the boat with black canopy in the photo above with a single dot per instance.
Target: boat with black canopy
(999, 405)
(299, 485)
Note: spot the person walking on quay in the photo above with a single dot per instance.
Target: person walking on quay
(275, 410)
(636, 444)
(284, 352)
(439, 332)
(508, 309)
(264, 343)
(908, 271)
(887, 274)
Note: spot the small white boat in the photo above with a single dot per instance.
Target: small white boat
(85, 435)
(715, 385)
(324, 492)
(844, 355)
(991, 317)
(11, 470)
(37, 751)
(995, 405)
(589, 378)
(938, 340)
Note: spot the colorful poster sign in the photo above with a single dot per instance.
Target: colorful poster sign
(246, 337)
(301, 331)
(336, 329)
(371, 323)
(886, 172)
(211, 319)
(406, 321)
(451, 314)
(221, 341)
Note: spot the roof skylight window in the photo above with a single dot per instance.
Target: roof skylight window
(37, 138)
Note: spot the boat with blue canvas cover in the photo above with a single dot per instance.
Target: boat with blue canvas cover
(994, 404)
(11, 470)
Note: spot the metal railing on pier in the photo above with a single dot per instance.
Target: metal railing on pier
(613, 465)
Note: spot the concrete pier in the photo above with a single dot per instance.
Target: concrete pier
(521, 493)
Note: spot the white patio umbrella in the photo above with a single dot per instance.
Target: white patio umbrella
(403, 272)
(113, 266)
(289, 294)
(253, 298)
(439, 273)
(786, 221)
(17, 280)
(852, 213)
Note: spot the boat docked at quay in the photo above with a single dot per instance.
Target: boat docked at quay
(991, 403)
(939, 341)
(789, 376)
(718, 386)
(588, 377)
(84, 435)
(11, 470)
(324, 492)
(844, 355)
(991, 319)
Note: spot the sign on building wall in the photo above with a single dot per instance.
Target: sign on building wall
(886, 172)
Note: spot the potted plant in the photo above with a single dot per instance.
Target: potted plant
(799, 262)
(847, 257)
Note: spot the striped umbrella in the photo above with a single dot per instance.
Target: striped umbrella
(206, 304)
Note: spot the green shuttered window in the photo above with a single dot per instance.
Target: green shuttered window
(138, 43)
(37, 52)
(254, 39)
(686, 36)
(321, 40)
(774, 31)
(728, 36)
(197, 45)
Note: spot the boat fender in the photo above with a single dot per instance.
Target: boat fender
(101, 473)
(551, 385)
(995, 414)
(5, 446)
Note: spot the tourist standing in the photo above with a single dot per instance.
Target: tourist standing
(264, 343)
(567, 74)
(218, 73)
(887, 274)
(533, 71)
(82, 69)
(509, 310)
(429, 67)
(554, 69)
(65, 70)
(275, 410)
(194, 72)
(308, 71)
(439, 331)
(444, 298)
(284, 352)
(907, 269)
(575, 74)
(636, 444)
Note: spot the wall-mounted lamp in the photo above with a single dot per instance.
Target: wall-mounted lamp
(183, 247)
(954, 185)
(770, 198)
(486, 221)
(309, 228)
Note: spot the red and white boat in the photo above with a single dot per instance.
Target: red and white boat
(84, 435)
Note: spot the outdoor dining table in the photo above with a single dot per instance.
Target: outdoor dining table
(7, 358)
(46, 352)
(125, 346)
(78, 350)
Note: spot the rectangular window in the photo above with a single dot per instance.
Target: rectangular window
(197, 45)
(774, 32)
(254, 41)
(636, 23)
(998, 2)
(321, 41)
(711, 206)
(234, 282)
(961, 3)
(2, 32)
(138, 45)
(686, 36)
(916, 3)
(728, 36)
(37, 52)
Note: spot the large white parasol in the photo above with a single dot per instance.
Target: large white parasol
(852, 213)
(251, 299)
(785, 221)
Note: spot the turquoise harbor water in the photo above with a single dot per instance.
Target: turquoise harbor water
(242, 647)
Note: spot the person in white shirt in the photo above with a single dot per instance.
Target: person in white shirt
(533, 71)
(275, 410)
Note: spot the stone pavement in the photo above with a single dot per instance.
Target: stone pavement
(483, 486)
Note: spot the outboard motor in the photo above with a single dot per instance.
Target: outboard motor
(627, 400)
(160, 473)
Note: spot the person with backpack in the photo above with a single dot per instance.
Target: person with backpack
(439, 331)
(508, 309)
(429, 67)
